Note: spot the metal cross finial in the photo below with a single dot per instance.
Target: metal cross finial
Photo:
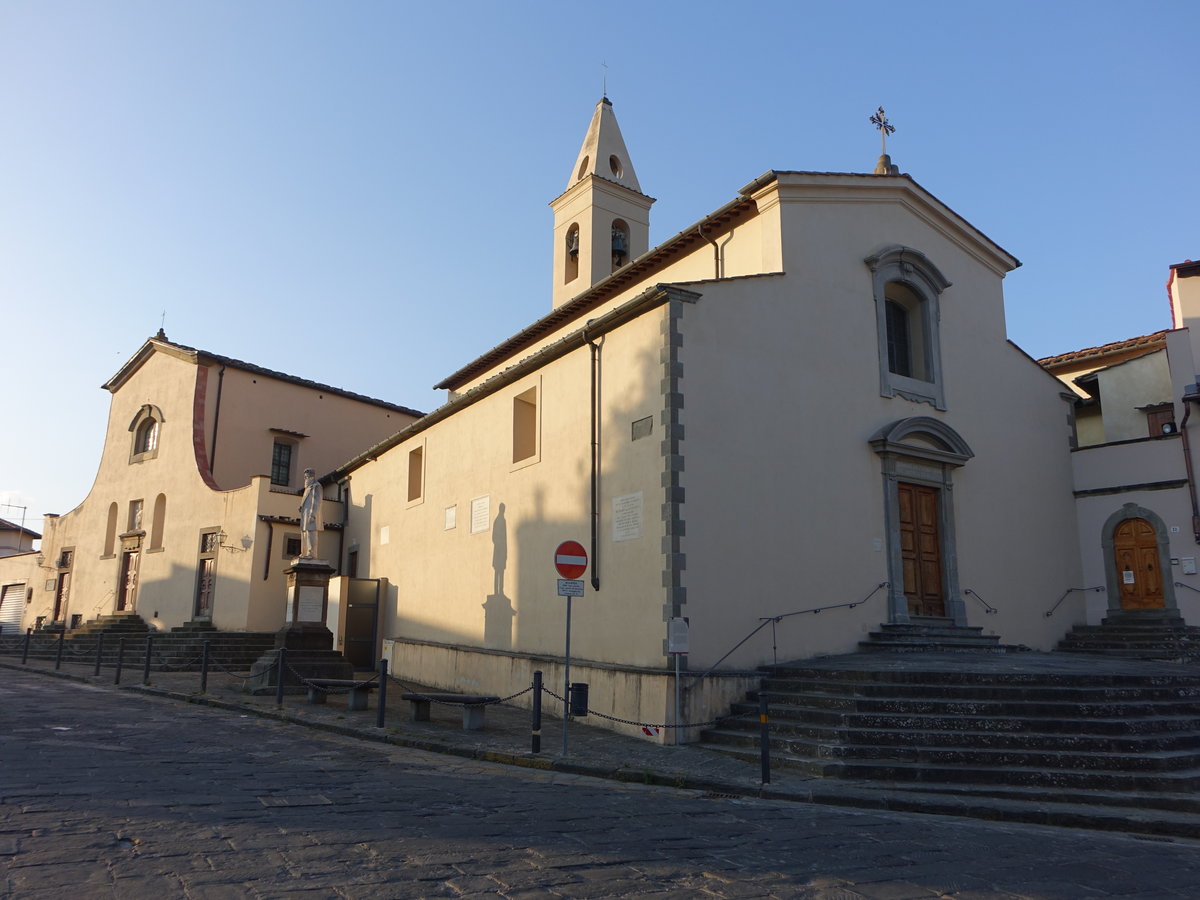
(879, 120)
(162, 323)
(604, 80)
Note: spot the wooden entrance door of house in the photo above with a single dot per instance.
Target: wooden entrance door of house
(127, 592)
(62, 594)
(1135, 550)
(362, 616)
(921, 549)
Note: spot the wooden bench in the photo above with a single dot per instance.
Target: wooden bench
(473, 706)
(356, 698)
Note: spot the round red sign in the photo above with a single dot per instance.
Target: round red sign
(570, 559)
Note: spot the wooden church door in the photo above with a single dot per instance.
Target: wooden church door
(1135, 549)
(921, 549)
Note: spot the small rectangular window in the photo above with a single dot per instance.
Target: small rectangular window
(525, 425)
(416, 472)
(291, 546)
(281, 464)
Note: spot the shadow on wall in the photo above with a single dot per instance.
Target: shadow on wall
(498, 611)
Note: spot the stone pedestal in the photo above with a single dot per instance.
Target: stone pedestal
(308, 641)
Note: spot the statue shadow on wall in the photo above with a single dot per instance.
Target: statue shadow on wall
(498, 612)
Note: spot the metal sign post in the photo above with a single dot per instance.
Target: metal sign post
(570, 559)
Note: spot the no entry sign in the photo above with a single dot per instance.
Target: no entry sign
(570, 559)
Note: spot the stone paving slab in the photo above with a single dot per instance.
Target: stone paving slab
(599, 752)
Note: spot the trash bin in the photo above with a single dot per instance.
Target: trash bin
(578, 699)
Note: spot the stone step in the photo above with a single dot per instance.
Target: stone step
(902, 771)
(978, 756)
(1063, 692)
(1187, 739)
(965, 677)
(784, 704)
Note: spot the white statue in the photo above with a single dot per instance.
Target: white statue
(310, 514)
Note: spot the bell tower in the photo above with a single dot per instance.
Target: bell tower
(602, 219)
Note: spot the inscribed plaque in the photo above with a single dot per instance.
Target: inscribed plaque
(481, 514)
(451, 517)
(627, 517)
(312, 601)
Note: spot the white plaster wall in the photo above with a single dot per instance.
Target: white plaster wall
(444, 581)
(784, 503)
(1132, 384)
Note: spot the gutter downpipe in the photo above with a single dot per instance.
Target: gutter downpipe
(595, 388)
(1187, 401)
(716, 250)
(212, 455)
(344, 497)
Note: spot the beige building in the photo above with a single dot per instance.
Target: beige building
(807, 398)
(1134, 464)
(194, 511)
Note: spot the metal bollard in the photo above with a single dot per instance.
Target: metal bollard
(204, 668)
(25, 649)
(764, 738)
(379, 713)
(99, 653)
(120, 660)
(62, 635)
(146, 666)
(537, 712)
(282, 663)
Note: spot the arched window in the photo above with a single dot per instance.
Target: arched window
(110, 531)
(620, 243)
(147, 437)
(145, 428)
(907, 288)
(571, 262)
(157, 522)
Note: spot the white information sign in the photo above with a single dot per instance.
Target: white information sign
(385, 535)
(451, 517)
(1128, 576)
(677, 636)
(481, 514)
(627, 517)
(312, 598)
(570, 587)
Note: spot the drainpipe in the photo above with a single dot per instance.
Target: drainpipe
(595, 390)
(344, 497)
(1190, 397)
(212, 456)
(716, 250)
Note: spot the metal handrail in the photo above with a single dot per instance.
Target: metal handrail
(1188, 586)
(774, 620)
(1048, 613)
(989, 610)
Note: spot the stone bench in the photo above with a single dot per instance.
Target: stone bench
(356, 698)
(473, 706)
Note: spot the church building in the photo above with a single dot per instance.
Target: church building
(805, 399)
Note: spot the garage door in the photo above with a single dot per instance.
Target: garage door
(12, 605)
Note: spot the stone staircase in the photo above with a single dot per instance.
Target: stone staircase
(937, 635)
(1137, 636)
(180, 648)
(1088, 747)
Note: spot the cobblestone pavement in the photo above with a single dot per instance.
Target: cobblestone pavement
(117, 794)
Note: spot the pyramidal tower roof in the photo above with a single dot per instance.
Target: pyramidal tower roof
(603, 152)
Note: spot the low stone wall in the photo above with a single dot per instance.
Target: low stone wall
(637, 695)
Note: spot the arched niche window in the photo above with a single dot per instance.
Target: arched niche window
(571, 260)
(146, 430)
(157, 521)
(110, 531)
(620, 243)
(907, 289)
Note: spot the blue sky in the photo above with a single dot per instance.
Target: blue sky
(384, 169)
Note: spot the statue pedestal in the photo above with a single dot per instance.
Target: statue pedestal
(309, 643)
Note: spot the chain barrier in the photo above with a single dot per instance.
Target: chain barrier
(165, 666)
(312, 686)
(214, 664)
